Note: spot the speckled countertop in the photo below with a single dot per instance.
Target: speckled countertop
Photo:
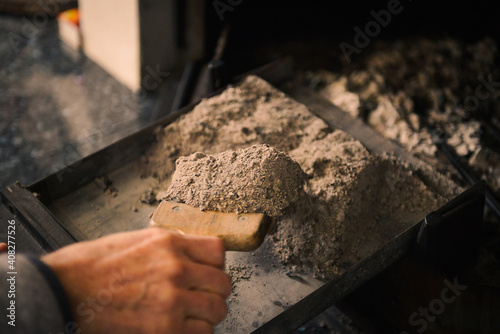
(56, 105)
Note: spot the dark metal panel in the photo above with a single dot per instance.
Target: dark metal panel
(25, 243)
(36, 219)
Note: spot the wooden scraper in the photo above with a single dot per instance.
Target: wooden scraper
(240, 232)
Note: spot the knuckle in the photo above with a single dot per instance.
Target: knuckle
(177, 270)
(169, 240)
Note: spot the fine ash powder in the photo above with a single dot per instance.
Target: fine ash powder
(399, 86)
(352, 202)
(256, 179)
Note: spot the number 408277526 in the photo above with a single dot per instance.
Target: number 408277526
(11, 242)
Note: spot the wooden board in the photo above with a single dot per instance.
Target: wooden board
(239, 232)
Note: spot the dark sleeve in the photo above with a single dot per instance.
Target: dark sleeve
(41, 305)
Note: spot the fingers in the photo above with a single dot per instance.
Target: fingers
(194, 276)
(201, 249)
(204, 306)
(205, 250)
(3, 247)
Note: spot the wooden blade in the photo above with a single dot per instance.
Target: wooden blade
(243, 232)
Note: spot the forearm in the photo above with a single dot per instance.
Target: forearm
(32, 299)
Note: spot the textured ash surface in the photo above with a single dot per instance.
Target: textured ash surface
(353, 201)
(398, 86)
(255, 179)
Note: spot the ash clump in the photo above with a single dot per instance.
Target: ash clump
(255, 179)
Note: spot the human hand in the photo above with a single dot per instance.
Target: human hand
(146, 281)
(3, 247)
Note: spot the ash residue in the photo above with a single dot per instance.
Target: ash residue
(251, 113)
(400, 86)
(353, 202)
(255, 179)
(106, 185)
(239, 273)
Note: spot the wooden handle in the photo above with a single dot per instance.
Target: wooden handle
(243, 232)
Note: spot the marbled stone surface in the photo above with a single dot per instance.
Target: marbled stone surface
(56, 105)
